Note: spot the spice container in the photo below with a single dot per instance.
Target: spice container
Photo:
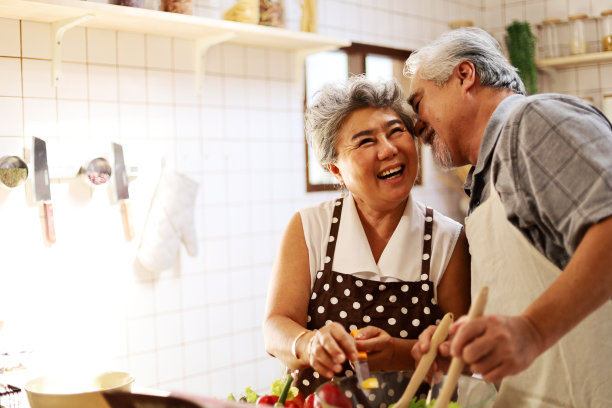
(549, 38)
(578, 43)
(129, 3)
(244, 11)
(606, 30)
(460, 23)
(271, 13)
(176, 6)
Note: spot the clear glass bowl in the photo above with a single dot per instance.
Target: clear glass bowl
(471, 392)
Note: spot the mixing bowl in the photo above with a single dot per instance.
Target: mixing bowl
(75, 391)
(471, 392)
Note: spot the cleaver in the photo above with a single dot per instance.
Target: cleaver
(121, 190)
(42, 190)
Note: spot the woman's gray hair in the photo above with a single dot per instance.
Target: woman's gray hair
(335, 102)
(436, 61)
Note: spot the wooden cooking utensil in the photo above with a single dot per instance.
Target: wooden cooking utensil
(457, 363)
(426, 361)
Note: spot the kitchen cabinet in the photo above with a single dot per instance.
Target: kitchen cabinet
(65, 14)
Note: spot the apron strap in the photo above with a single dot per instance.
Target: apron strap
(333, 235)
(427, 237)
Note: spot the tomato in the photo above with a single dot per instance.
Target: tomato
(291, 404)
(267, 400)
(333, 395)
(310, 402)
(298, 400)
(271, 400)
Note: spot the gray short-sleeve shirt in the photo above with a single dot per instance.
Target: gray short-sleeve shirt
(551, 157)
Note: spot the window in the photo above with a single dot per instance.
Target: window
(378, 63)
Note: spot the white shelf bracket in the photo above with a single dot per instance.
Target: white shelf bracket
(58, 29)
(201, 48)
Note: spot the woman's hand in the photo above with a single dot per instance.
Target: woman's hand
(379, 346)
(329, 347)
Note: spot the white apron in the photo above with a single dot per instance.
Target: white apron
(577, 371)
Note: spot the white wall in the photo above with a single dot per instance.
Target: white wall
(196, 327)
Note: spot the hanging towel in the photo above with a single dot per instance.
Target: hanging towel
(170, 222)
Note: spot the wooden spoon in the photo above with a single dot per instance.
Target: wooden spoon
(457, 363)
(426, 361)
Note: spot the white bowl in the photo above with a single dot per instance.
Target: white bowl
(75, 391)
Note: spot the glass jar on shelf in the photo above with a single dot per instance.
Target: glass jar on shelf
(578, 42)
(176, 6)
(271, 13)
(549, 39)
(606, 30)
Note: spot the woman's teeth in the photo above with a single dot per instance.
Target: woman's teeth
(391, 173)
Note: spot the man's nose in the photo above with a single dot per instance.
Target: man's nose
(419, 128)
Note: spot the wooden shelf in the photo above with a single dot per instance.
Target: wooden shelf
(132, 19)
(559, 62)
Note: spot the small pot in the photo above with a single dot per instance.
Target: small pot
(96, 172)
(13, 171)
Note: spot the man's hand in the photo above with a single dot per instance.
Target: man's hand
(496, 346)
(421, 347)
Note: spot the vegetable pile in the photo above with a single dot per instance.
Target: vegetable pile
(282, 394)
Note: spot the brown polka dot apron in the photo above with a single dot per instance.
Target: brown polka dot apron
(402, 309)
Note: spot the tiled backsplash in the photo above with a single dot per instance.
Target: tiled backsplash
(196, 327)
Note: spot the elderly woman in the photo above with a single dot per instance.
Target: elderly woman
(376, 260)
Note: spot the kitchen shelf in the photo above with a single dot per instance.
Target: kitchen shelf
(64, 14)
(559, 62)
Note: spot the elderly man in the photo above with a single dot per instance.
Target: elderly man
(539, 223)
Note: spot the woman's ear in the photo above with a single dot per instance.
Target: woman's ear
(333, 169)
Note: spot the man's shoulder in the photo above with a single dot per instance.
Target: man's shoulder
(549, 109)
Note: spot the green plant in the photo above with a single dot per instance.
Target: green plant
(521, 50)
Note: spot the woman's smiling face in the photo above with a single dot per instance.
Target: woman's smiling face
(377, 158)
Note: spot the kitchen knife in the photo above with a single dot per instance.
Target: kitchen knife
(121, 189)
(42, 190)
(362, 369)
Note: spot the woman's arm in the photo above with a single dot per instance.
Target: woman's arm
(287, 311)
(288, 298)
(454, 287)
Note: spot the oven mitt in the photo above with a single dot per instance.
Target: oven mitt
(169, 222)
(180, 196)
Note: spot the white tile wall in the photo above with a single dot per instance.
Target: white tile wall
(240, 139)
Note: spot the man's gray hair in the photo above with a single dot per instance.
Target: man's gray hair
(436, 61)
(335, 102)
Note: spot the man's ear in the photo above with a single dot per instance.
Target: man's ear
(466, 72)
(333, 169)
